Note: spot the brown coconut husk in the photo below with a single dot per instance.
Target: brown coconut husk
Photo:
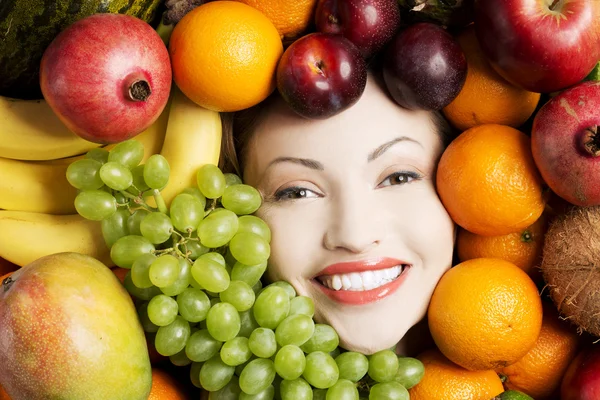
(571, 266)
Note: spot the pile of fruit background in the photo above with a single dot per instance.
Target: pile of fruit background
(118, 161)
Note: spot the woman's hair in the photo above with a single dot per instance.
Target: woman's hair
(239, 126)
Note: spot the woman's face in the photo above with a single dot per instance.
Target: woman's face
(356, 222)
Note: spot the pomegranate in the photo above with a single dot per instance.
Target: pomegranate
(565, 141)
(107, 77)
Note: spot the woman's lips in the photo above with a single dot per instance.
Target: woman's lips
(363, 282)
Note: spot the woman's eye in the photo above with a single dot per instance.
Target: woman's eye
(292, 193)
(400, 178)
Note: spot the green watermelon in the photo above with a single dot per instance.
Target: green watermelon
(27, 27)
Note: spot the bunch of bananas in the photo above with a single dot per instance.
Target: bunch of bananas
(37, 212)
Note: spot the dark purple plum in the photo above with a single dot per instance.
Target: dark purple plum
(321, 74)
(424, 67)
(369, 24)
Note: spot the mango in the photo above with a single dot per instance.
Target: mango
(70, 331)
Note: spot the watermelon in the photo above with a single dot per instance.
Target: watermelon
(27, 27)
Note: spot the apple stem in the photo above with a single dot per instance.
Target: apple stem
(591, 141)
(7, 283)
(139, 90)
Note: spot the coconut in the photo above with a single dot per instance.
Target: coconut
(571, 266)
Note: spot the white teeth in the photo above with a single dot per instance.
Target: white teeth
(360, 281)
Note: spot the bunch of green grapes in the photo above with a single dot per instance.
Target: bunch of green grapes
(196, 273)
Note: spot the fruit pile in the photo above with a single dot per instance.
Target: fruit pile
(118, 162)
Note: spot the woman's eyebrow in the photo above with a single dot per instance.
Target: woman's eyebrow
(384, 147)
(306, 162)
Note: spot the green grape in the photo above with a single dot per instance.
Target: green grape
(217, 228)
(257, 287)
(231, 391)
(249, 248)
(321, 371)
(210, 275)
(95, 205)
(128, 153)
(172, 338)
(296, 389)
(240, 368)
(247, 323)
(214, 256)
(302, 305)
(164, 271)
(295, 329)
(388, 390)
(195, 374)
(285, 286)
(156, 172)
(119, 198)
(248, 273)
(201, 346)
(410, 371)
(156, 227)
(215, 374)
(142, 311)
(196, 193)
(271, 307)
(142, 294)
(186, 212)
(352, 365)
(162, 310)
(84, 174)
(343, 389)
(383, 365)
(257, 375)
(241, 199)
(324, 339)
(195, 249)
(182, 282)
(319, 394)
(139, 184)
(223, 322)
(211, 181)
(214, 300)
(239, 294)
(116, 176)
(193, 305)
(115, 227)
(99, 154)
(128, 249)
(180, 359)
(266, 394)
(231, 179)
(262, 342)
(236, 351)
(135, 220)
(140, 271)
(253, 224)
(290, 362)
(335, 352)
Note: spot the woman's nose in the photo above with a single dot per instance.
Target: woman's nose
(352, 225)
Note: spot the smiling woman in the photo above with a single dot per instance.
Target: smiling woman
(351, 201)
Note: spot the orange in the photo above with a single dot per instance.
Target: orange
(523, 248)
(540, 371)
(165, 387)
(3, 394)
(486, 97)
(224, 55)
(291, 18)
(120, 273)
(485, 313)
(448, 381)
(488, 181)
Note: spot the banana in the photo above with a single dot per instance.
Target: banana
(193, 139)
(26, 236)
(42, 186)
(30, 130)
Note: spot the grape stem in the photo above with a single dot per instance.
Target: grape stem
(160, 202)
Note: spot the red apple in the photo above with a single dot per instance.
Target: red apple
(424, 67)
(107, 77)
(565, 141)
(540, 45)
(369, 24)
(582, 379)
(321, 74)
